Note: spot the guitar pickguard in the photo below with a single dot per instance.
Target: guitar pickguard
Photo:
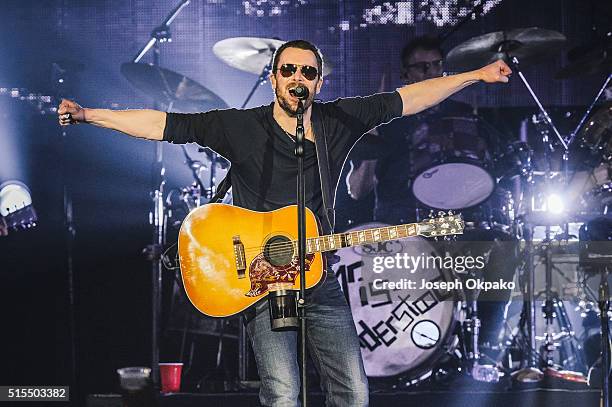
(262, 273)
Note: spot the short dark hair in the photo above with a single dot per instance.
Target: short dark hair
(423, 42)
(301, 44)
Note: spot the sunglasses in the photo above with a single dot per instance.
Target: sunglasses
(426, 65)
(309, 72)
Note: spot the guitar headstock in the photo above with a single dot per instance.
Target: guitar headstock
(446, 224)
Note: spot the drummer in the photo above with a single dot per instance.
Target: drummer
(382, 165)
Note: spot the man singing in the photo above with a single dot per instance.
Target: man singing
(260, 142)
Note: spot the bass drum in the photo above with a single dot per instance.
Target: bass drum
(403, 333)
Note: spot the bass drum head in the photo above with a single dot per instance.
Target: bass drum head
(401, 332)
(453, 186)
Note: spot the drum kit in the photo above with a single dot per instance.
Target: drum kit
(504, 191)
(496, 187)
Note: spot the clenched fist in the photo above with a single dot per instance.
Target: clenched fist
(70, 113)
(498, 71)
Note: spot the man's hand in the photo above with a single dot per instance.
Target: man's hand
(419, 96)
(3, 227)
(70, 113)
(498, 71)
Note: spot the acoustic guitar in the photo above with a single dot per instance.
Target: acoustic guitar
(231, 257)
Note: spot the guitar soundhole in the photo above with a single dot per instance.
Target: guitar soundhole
(278, 251)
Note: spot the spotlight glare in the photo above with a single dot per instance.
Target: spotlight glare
(554, 204)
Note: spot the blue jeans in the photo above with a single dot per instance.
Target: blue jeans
(331, 341)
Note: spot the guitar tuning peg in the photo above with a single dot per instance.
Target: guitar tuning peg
(450, 213)
(431, 213)
(441, 214)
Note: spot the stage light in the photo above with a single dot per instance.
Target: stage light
(14, 195)
(554, 204)
(16, 205)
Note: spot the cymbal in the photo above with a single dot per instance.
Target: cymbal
(596, 62)
(529, 45)
(251, 54)
(176, 91)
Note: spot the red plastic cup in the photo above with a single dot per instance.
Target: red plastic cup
(170, 374)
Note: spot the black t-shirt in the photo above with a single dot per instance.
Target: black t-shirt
(264, 167)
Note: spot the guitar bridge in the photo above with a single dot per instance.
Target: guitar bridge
(239, 256)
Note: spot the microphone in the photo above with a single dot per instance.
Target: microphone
(300, 92)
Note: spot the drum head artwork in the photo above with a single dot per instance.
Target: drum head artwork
(400, 332)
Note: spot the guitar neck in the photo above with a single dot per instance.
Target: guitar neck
(360, 237)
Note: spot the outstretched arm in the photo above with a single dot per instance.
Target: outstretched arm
(147, 124)
(422, 95)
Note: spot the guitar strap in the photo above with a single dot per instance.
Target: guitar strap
(327, 190)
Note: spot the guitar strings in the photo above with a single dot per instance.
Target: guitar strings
(276, 248)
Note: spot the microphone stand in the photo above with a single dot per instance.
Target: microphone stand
(299, 153)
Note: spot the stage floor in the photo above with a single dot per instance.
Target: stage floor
(522, 398)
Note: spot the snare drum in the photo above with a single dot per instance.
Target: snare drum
(399, 336)
(451, 163)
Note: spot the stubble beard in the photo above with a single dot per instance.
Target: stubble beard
(286, 105)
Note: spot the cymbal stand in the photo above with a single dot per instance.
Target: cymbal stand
(548, 308)
(471, 331)
(243, 343)
(515, 64)
(263, 78)
(194, 166)
(158, 216)
(528, 225)
(572, 136)
(213, 175)
(530, 371)
(604, 307)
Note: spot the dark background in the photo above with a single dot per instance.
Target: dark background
(109, 175)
